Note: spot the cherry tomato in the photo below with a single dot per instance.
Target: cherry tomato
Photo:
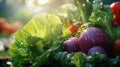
(117, 18)
(74, 29)
(115, 8)
(6, 28)
(2, 23)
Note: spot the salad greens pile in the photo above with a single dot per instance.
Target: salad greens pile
(38, 38)
(40, 42)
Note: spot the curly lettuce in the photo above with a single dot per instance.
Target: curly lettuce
(38, 39)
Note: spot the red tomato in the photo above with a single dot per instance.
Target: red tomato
(116, 48)
(115, 8)
(6, 28)
(9, 28)
(117, 18)
(74, 29)
(2, 23)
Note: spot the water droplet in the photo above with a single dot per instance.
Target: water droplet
(83, 5)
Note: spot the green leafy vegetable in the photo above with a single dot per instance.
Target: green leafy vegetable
(102, 17)
(95, 60)
(66, 33)
(85, 8)
(38, 39)
(97, 4)
(79, 59)
(64, 59)
(20, 54)
(39, 60)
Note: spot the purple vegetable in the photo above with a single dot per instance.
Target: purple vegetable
(93, 37)
(97, 49)
(71, 44)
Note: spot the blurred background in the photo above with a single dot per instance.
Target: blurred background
(23, 10)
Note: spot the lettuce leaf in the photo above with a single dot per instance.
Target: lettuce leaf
(38, 36)
(79, 59)
(64, 59)
(47, 27)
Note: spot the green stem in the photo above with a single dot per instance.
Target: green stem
(84, 16)
(110, 31)
(85, 9)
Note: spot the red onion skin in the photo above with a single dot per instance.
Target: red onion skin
(93, 37)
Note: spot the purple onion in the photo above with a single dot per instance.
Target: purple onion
(97, 49)
(71, 45)
(93, 37)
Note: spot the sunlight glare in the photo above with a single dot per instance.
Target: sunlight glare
(42, 2)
